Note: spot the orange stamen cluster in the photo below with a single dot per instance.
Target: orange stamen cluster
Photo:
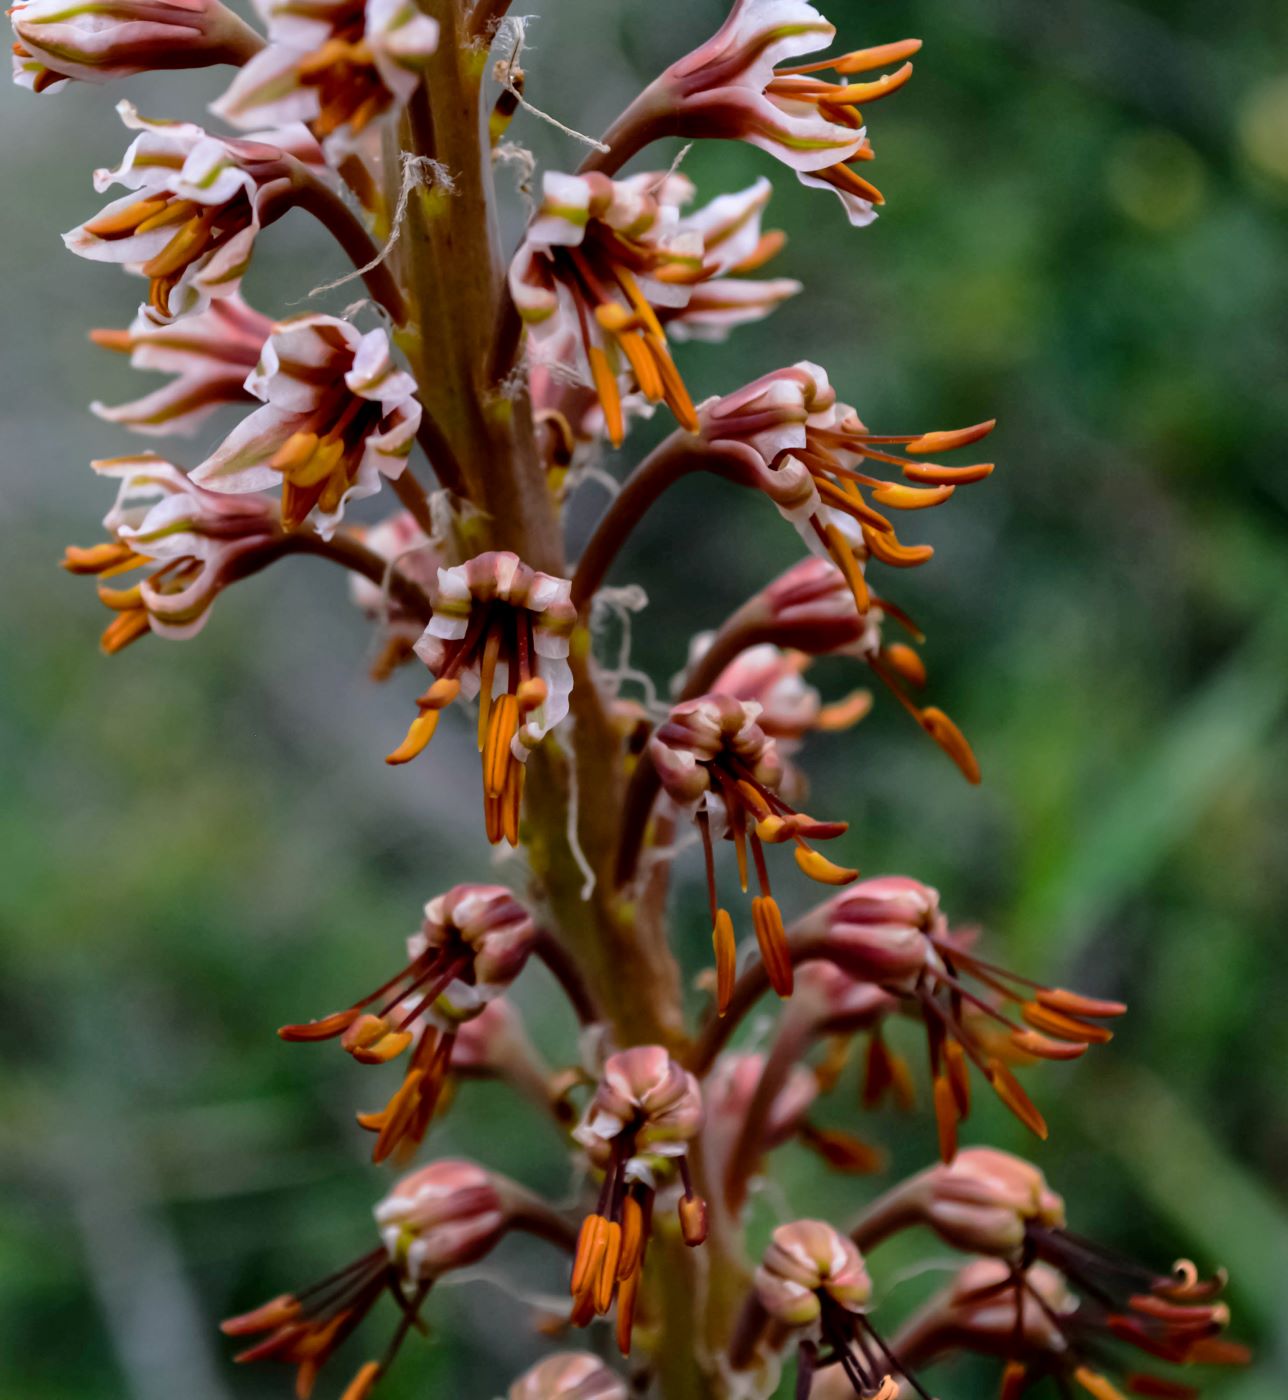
(739, 765)
(840, 487)
(350, 90)
(1176, 1318)
(601, 277)
(199, 229)
(838, 102)
(497, 632)
(609, 1259)
(376, 1037)
(1060, 1025)
(304, 1329)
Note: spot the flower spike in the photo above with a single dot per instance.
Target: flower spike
(474, 942)
(499, 632)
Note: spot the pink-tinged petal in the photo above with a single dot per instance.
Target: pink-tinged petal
(267, 91)
(240, 463)
(858, 210)
(564, 211)
(569, 1375)
(444, 1216)
(375, 375)
(756, 37)
(179, 408)
(187, 542)
(98, 43)
(716, 308)
(805, 1262)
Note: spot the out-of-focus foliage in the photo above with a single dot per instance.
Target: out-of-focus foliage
(1087, 235)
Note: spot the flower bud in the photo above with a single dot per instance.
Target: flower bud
(488, 931)
(806, 1262)
(443, 1216)
(569, 1375)
(984, 1200)
(97, 43)
(644, 1094)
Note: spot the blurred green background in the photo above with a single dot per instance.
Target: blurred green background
(1086, 235)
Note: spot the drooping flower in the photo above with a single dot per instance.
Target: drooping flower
(733, 245)
(814, 1281)
(338, 416)
(790, 708)
(442, 1217)
(715, 761)
(740, 86)
(1042, 1328)
(473, 943)
(603, 256)
(576, 282)
(803, 448)
(209, 355)
(499, 632)
(340, 66)
(636, 1130)
(400, 541)
(96, 43)
(811, 607)
(196, 204)
(891, 932)
(188, 543)
(569, 1375)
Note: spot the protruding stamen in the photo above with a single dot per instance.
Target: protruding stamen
(726, 957)
(606, 1277)
(632, 1238)
(627, 1293)
(946, 1117)
(419, 733)
(826, 872)
(1007, 1088)
(361, 1386)
(953, 742)
(931, 444)
(497, 757)
(767, 920)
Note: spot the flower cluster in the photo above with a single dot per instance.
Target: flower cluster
(514, 378)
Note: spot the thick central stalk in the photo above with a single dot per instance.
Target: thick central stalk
(460, 340)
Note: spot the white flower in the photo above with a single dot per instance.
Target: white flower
(338, 415)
